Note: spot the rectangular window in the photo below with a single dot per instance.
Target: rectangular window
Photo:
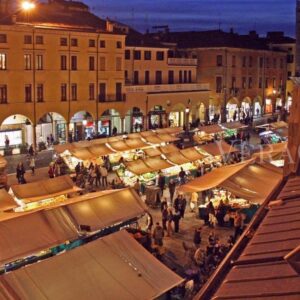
(180, 76)
(63, 41)
(274, 83)
(119, 45)
(250, 83)
(92, 43)
(27, 61)
(171, 77)
(244, 82)
(136, 77)
(27, 39)
(40, 92)
(28, 93)
(250, 61)
(147, 55)
(160, 55)
(3, 61)
(147, 77)
(74, 92)
(244, 61)
(118, 63)
(119, 91)
(233, 61)
(102, 63)
(39, 62)
(137, 54)
(39, 40)
(261, 62)
(102, 44)
(260, 83)
(233, 82)
(73, 63)
(102, 92)
(3, 38)
(158, 77)
(63, 62)
(3, 94)
(92, 63)
(127, 54)
(219, 84)
(274, 63)
(91, 91)
(74, 42)
(185, 76)
(266, 83)
(267, 63)
(63, 92)
(219, 60)
(190, 76)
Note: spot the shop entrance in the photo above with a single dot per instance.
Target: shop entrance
(110, 123)
(82, 126)
(157, 117)
(134, 120)
(232, 110)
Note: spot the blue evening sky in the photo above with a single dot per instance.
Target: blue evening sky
(242, 15)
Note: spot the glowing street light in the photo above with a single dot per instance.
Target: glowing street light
(27, 6)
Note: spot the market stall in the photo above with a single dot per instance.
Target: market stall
(218, 148)
(231, 129)
(170, 148)
(273, 133)
(208, 133)
(43, 193)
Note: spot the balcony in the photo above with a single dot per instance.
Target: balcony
(112, 98)
(182, 61)
(182, 87)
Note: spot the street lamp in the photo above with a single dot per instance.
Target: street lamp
(27, 6)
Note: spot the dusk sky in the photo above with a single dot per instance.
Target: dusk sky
(242, 15)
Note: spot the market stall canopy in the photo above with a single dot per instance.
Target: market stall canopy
(214, 178)
(218, 148)
(136, 135)
(3, 163)
(44, 189)
(254, 182)
(170, 130)
(119, 146)
(152, 151)
(277, 125)
(136, 143)
(211, 129)
(28, 233)
(167, 138)
(109, 268)
(153, 139)
(192, 154)
(138, 167)
(105, 210)
(234, 125)
(168, 149)
(63, 147)
(157, 163)
(7, 202)
(145, 134)
(115, 139)
(82, 153)
(271, 151)
(100, 150)
(177, 158)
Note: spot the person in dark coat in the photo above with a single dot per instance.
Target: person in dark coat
(20, 171)
(164, 217)
(197, 237)
(176, 219)
(182, 206)
(172, 187)
(221, 212)
(161, 183)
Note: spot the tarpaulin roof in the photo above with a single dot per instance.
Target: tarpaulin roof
(271, 151)
(168, 149)
(44, 189)
(234, 125)
(147, 133)
(29, 233)
(152, 152)
(192, 154)
(218, 148)
(114, 267)
(213, 178)
(153, 139)
(177, 158)
(136, 143)
(106, 210)
(6, 201)
(136, 135)
(82, 153)
(211, 129)
(138, 167)
(157, 163)
(119, 146)
(100, 150)
(167, 137)
(171, 130)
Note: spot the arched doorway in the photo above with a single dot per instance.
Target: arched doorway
(232, 110)
(134, 120)
(15, 131)
(82, 126)
(110, 123)
(157, 117)
(214, 109)
(51, 127)
(269, 105)
(176, 116)
(246, 109)
(257, 106)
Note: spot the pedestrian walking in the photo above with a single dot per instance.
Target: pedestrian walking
(176, 219)
(31, 150)
(51, 170)
(98, 175)
(164, 218)
(32, 164)
(169, 221)
(104, 174)
(182, 176)
(197, 237)
(20, 173)
(161, 183)
(172, 187)
(194, 201)
(137, 186)
(158, 235)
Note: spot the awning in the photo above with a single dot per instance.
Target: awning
(211, 129)
(114, 267)
(214, 178)
(157, 163)
(153, 139)
(234, 125)
(167, 138)
(63, 147)
(7, 202)
(218, 148)
(100, 150)
(147, 133)
(177, 158)
(29, 233)
(119, 146)
(136, 135)
(114, 139)
(277, 125)
(138, 167)
(168, 149)
(170, 130)
(82, 153)
(192, 154)
(106, 210)
(271, 151)
(152, 152)
(136, 143)
(44, 189)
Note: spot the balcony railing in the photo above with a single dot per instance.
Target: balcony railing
(167, 88)
(183, 61)
(112, 98)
